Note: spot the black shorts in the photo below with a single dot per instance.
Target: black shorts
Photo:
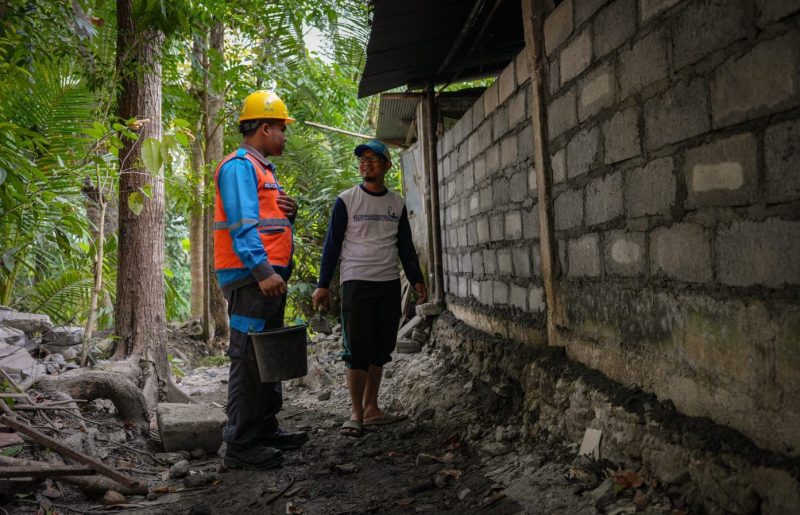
(370, 316)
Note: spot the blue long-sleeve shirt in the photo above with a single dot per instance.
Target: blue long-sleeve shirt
(335, 237)
(238, 187)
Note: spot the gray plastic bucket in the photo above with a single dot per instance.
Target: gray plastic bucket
(281, 353)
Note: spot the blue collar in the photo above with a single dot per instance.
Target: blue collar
(365, 190)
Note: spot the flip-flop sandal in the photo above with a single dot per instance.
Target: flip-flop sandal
(387, 418)
(352, 428)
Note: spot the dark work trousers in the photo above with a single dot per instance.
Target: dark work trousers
(252, 405)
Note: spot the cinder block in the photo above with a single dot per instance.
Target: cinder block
(575, 57)
(462, 236)
(489, 261)
(782, 158)
(490, 99)
(517, 108)
(477, 263)
(521, 62)
(499, 122)
(486, 296)
(650, 8)
(537, 260)
(508, 151)
(479, 169)
(519, 297)
(558, 26)
(621, 136)
(553, 78)
(722, 173)
(568, 209)
(679, 114)
(472, 234)
(463, 155)
(643, 64)
(762, 81)
(504, 264)
(475, 290)
(466, 263)
(469, 178)
(532, 184)
(584, 256)
(559, 166)
(483, 229)
(507, 82)
(497, 226)
(585, 8)
(462, 287)
(561, 115)
(522, 262)
(614, 25)
(683, 252)
(705, 26)
(486, 198)
(190, 426)
(500, 291)
(536, 302)
(650, 190)
(474, 204)
(530, 223)
(477, 110)
(492, 160)
(525, 144)
(513, 225)
(624, 253)
(773, 10)
(604, 199)
(582, 152)
(518, 186)
(759, 253)
(500, 189)
(472, 146)
(596, 92)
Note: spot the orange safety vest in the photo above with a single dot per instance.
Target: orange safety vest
(273, 227)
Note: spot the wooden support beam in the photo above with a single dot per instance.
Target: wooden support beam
(62, 449)
(50, 471)
(433, 176)
(533, 14)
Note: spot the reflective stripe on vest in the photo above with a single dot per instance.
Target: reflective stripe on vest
(274, 229)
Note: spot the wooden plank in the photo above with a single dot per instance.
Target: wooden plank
(533, 14)
(66, 451)
(51, 471)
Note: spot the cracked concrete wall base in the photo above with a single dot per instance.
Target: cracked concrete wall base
(718, 466)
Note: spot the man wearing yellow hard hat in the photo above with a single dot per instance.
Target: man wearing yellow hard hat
(253, 247)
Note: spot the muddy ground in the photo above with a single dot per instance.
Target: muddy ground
(462, 450)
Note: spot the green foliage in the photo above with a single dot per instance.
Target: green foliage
(213, 361)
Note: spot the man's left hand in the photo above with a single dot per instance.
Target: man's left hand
(287, 204)
(422, 293)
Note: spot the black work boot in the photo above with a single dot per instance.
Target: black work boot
(256, 457)
(285, 440)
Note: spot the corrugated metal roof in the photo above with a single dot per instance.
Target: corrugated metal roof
(411, 38)
(394, 116)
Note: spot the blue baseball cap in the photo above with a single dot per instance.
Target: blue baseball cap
(376, 146)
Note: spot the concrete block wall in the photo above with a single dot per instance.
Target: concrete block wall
(675, 147)
(490, 219)
(674, 150)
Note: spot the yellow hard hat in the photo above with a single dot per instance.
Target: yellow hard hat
(264, 104)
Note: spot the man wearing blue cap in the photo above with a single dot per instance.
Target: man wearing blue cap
(369, 230)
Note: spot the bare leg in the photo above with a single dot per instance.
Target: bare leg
(355, 384)
(373, 384)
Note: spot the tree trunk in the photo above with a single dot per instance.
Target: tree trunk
(197, 262)
(215, 92)
(140, 312)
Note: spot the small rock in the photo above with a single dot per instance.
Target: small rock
(505, 434)
(112, 497)
(640, 499)
(388, 373)
(496, 449)
(70, 353)
(463, 494)
(151, 496)
(195, 480)
(405, 346)
(198, 454)
(474, 432)
(179, 470)
(329, 424)
(171, 458)
(429, 309)
(324, 396)
(421, 486)
(346, 468)
(604, 494)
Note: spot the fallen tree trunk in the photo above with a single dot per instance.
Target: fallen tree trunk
(93, 485)
(128, 399)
